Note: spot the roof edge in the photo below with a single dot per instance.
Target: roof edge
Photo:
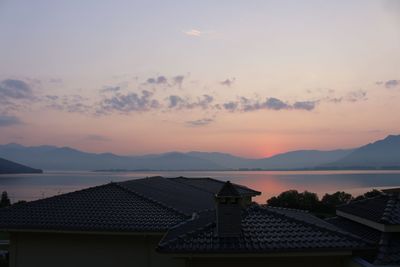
(375, 225)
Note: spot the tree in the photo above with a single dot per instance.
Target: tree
(295, 200)
(330, 202)
(309, 201)
(369, 194)
(5, 200)
(287, 199)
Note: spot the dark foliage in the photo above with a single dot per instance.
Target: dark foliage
(369, 194)
(295, 200)
(310, 201)
(330, 202)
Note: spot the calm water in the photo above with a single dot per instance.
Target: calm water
(270, 183)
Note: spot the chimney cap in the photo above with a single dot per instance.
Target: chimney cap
(228, 190)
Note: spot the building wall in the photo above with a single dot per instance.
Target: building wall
(66, 250)
(314, 261)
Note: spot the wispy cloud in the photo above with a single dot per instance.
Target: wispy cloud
(68, 103)
(193, 32)
(165, 81)
(107, 89)
(389, 84)
(245, 104)
(392, 83)
(228, 82)
(178, 102)
(125, 103)
(178, 80)
(353, 96)
(200, 122)
(157, 80)
(305, 105)
(15, 89)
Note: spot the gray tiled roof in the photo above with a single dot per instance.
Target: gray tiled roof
(363, 231)
(213, 185)
(108, 207)
(149, 204)
(387, 244)
(263, 231)
(183, 198)
(382, 209)
(303, 215)
(389, 250)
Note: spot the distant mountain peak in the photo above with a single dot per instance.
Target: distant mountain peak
(8, 167)
(385, 152)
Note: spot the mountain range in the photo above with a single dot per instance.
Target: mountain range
(381, 154)
(7, 167)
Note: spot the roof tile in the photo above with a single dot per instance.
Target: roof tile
(263, 231)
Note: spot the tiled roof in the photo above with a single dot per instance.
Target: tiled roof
(149, 204)
(363, 231)
(263, 231)
(181, 197)
(303, 215)
(387, 244)
(213, 185)
(389, 250)
(382, 209)
(108, 207)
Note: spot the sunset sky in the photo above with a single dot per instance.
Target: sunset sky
(251, 78)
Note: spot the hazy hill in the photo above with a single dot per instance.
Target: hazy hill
(301, 159)
(380, 154)
(7, 167)
(65, 158)
(290, 160)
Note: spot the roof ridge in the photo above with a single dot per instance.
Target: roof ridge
(339, 232)
(190, 185)
(149, 199)
(389, 207)
(243, 187)
(164, 242)
(362, 200)
(235, 184)
(57, 196)
(284, 208)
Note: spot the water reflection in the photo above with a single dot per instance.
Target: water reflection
(36, 186)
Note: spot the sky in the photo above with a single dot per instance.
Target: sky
(251, 78)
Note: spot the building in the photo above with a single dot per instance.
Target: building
(260, 235)
(117, 224)
(173, 222)
(377, 221)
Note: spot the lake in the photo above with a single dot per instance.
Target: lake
(270, 183)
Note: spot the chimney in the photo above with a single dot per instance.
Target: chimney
(229, 211)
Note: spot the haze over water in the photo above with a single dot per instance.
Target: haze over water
(270, 183)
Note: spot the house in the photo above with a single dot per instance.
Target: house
(117, 224)
(259, 235)
(377, 221)
(172, 222)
